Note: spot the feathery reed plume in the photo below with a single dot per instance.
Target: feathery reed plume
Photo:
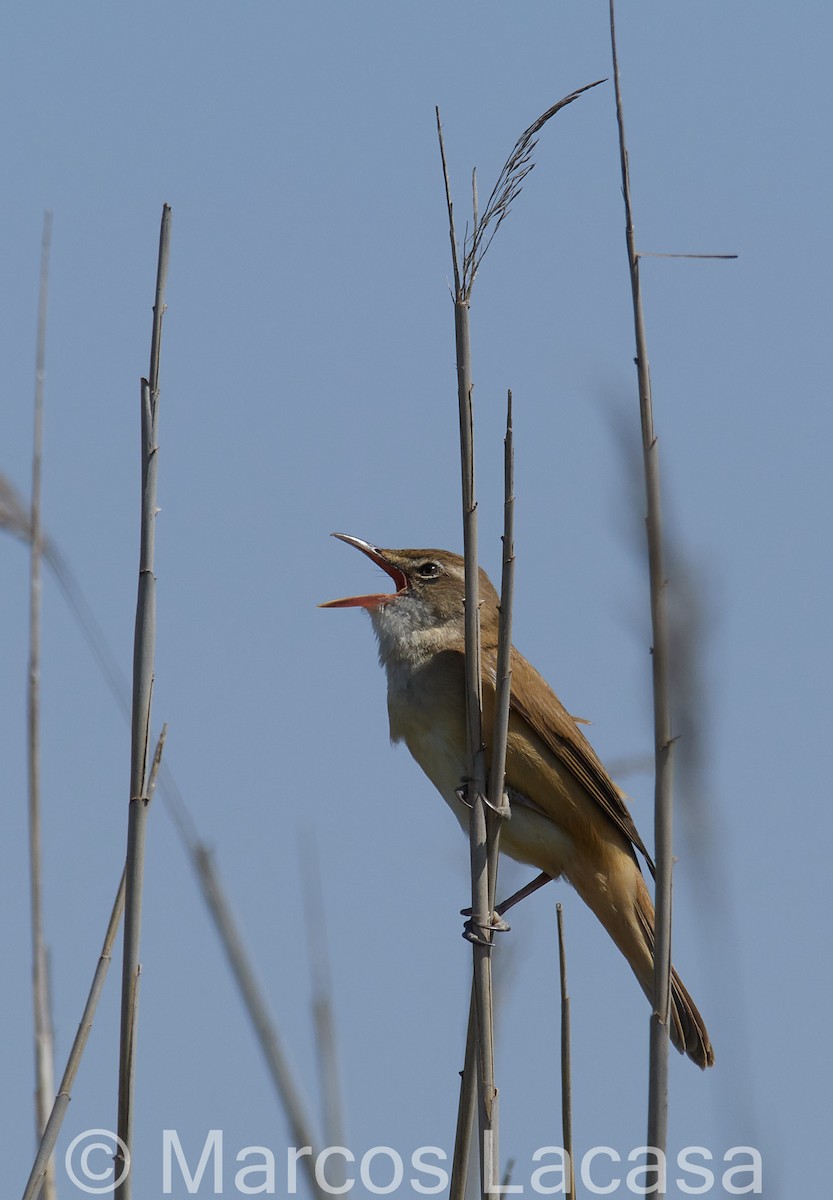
(507, 189)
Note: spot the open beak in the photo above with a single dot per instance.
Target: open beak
(400, 581)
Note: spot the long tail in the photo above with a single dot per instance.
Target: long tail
(615, 890)
(688, 1031)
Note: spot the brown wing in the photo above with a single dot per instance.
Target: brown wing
(534, 702)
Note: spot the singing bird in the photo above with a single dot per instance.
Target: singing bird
(568, 818)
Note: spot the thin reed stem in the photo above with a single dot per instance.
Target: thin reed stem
(455, 256)
(484, 823)
(143, 655)
(483, 1025)
(300, 1125)
(498, 804)
(61, 1104)
(478, 828)
(323, 1009)
(55, 1120)
(466, 1109)
(14, 518)
(663, 739)
(566, 1073)
(44, 1049)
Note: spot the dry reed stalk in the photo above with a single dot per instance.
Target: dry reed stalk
(498, 803)
(466, 1109)
(483, 1023)
(267, 1035)
(245, 977)
(484, 830)
(143, 654)
(59, 1108)
(566, 1073)
(44, 1048)
(323, 1009)
(663, 739)
(15, 519)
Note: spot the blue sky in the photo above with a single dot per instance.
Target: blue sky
(308, 386)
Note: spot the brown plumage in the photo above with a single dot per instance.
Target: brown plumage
(568, 818)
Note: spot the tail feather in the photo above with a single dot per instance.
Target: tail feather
(688, 1031)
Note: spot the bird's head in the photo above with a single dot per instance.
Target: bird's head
(424, 612)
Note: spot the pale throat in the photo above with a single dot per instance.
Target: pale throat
(409, 632)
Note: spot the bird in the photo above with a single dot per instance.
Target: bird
(568, 818)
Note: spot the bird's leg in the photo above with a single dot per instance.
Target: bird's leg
(494, 923)
(497, 922)
(522, 893)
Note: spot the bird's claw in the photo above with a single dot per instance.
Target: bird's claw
(496, 925)
(462, 793)
(501, 810)
(471, 935)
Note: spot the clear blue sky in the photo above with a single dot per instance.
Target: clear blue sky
(308, 386)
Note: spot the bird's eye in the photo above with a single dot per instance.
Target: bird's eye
(428, 570)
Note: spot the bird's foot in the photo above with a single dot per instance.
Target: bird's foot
(495, 924)
(502, 810)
